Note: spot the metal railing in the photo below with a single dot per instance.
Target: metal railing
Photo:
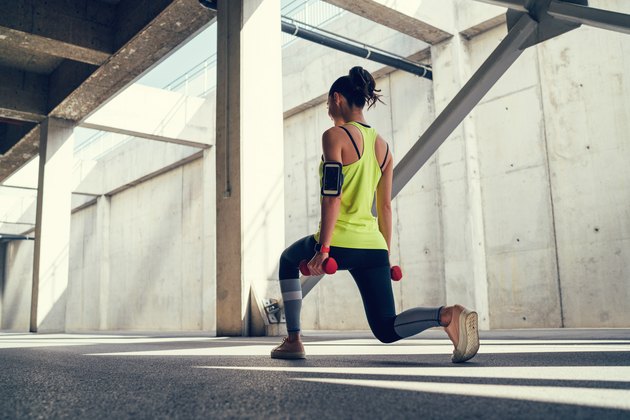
(201, 79)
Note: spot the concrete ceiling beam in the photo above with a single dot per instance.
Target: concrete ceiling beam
(42, 45)
(23, 95)
(410, 18)
(76, 30)
(178, 22)
(148, 31)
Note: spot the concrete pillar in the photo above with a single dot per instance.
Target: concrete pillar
(103, 205)
(249, 155)
(208, 279)
(3, 258)
(462, 219)
(52, 230)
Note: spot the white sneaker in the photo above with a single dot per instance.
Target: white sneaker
(468, 343)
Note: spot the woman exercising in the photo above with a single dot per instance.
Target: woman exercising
(350, 234)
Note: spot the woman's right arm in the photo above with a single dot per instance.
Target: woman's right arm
(384, 201)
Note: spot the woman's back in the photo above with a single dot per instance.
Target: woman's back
(356, 227)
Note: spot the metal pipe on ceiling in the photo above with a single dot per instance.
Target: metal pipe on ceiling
(290, 27)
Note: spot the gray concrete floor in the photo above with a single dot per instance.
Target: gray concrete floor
(517, 374)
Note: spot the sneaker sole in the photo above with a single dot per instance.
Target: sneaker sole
(289, 356)
(468, 337)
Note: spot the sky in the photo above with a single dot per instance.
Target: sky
(198, 49)
(202, 46)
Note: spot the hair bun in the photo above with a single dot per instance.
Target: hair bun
(364, 86)
(362, 79)
(358, 87)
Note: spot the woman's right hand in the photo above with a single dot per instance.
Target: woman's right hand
(316, 264)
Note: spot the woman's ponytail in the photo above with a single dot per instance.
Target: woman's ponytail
(358, 87)
(364, 86)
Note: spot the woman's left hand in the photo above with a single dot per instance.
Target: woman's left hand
(316, 264)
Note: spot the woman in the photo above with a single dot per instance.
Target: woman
(350, 234)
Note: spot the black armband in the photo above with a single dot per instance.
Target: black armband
(332, 179)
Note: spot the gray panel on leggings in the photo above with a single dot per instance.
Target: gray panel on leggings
(416, 320)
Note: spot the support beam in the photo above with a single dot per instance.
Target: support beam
(81, 31)
(162, 35)
(102, 230)
(571, 12)
(230, 308)
(12, 132)
(479, 84)
(598, 18)
(20, 154)
(150, 45)
(41, 45)
(250, 190)
(381, 12)
(52, 227)
(142, 135)
(518, 5)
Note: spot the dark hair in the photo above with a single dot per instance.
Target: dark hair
(358, 87)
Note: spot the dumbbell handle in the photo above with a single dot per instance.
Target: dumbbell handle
(329, 265)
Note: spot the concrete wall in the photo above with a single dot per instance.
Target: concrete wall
(155, 261)
(515, 196)
(534, 186)
(547, 150)
(309, 68)
(586, 103)
(15, 296)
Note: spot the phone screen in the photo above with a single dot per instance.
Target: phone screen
(331, 178)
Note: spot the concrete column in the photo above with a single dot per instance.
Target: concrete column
(208, 279)
(103, 205)
(52, 230)
(3, 258)
(462, 219)
(250, 183)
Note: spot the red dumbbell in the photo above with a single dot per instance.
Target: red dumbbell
(396, 273)
(330, 266)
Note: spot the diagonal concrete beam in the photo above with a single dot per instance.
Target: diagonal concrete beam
(20, 154)
(79, 30)
(177, 22)
(180, 20)
(410, 18)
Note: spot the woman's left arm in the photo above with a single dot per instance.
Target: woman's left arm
(330, 205)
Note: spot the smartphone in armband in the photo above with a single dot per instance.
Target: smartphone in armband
(332, 179)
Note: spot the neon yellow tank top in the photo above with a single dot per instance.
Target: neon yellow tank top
(356, 227)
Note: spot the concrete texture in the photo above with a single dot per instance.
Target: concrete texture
(529, 194)
(103, 45)
(249, 187)
(76, 30)
(309, 69)
(521, 214)
(414, 19)
(153, 270)
(52, 227)
(517, 374)
(15, 302)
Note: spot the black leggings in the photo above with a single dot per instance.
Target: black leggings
(371, 272)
